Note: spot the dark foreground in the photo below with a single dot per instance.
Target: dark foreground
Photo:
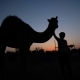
(40, 69)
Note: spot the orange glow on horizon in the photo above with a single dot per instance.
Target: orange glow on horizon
(46, 48)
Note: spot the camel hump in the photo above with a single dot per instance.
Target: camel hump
(11, 21)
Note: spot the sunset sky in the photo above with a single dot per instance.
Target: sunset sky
(36, 13)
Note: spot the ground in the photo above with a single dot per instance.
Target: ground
(40, 70)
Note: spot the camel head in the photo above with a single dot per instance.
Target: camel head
(53, 22)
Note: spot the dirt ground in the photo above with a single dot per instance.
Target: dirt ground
(40, 70)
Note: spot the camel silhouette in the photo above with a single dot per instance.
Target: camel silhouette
(17, 34)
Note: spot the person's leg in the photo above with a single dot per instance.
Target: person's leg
(62, 63)
(62, 67)
(68, 67)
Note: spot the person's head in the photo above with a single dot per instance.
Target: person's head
(62, 35)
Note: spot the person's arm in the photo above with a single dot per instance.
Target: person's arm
(55, 36)
(70, 45)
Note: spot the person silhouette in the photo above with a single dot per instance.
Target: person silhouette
(63, 53)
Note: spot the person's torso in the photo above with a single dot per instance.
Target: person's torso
(62, 45)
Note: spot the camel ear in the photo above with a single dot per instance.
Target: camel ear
(56, 17)
(48, 20)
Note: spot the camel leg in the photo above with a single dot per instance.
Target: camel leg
(23, 59)
(2, 52)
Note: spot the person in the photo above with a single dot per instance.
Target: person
(63, 49)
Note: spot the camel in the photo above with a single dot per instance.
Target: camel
(17, 34)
